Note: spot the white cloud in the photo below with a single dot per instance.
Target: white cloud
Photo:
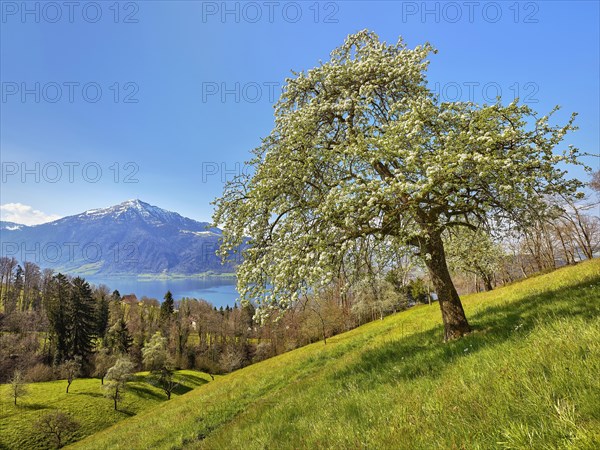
(24, 214)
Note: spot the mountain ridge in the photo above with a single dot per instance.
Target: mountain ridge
(130, 238)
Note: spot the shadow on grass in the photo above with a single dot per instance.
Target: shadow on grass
(187, 383)
(145, 392)
(425, 355)
(136, 378)
(30, 406)
(182, 389)
(88, 394)
(190, 380)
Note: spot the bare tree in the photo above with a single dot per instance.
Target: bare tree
(57, 425)
(167, 382)
(232, 358)
(103, 361)
(7, 266)
(585, 228)
(595, 182)
(70, 370)
(31, 286)
(17, 386)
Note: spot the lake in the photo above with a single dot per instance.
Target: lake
(218, 291)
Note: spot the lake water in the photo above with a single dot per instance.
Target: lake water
(218, 291)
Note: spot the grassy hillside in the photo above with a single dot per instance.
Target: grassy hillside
(84, 402)
(527, 377)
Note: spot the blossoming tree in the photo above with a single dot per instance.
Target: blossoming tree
(361, 149)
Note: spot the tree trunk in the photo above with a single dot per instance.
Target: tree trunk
(453, 315)
(487, 281)
(488, 284)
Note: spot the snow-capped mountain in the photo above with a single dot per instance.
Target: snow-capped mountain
(11, 226)
(132, 237)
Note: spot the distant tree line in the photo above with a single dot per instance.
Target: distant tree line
(53, 326)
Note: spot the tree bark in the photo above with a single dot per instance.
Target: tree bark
(487, 282)
(453, 315)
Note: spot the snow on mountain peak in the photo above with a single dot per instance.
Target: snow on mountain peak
(134, 203)
(150, 214)
(10, 226)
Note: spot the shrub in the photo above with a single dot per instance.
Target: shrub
(39, 373)
(206, 365)
(233, 358)
(263, 351)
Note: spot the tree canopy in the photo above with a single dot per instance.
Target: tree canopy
(363, 150)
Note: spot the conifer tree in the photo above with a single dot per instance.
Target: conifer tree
(58, 298)
(167, 307)
(119, 338)
(82, 319)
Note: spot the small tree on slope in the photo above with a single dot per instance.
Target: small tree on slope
(71, 369)
(57, 425)
(17, 386)
(117, 378)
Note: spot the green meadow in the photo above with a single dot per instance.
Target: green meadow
(527, 377)
(85, 403)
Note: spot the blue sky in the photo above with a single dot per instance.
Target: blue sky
(164, 100)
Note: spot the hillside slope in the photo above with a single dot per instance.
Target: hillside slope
(85, 403)
(526, 378)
